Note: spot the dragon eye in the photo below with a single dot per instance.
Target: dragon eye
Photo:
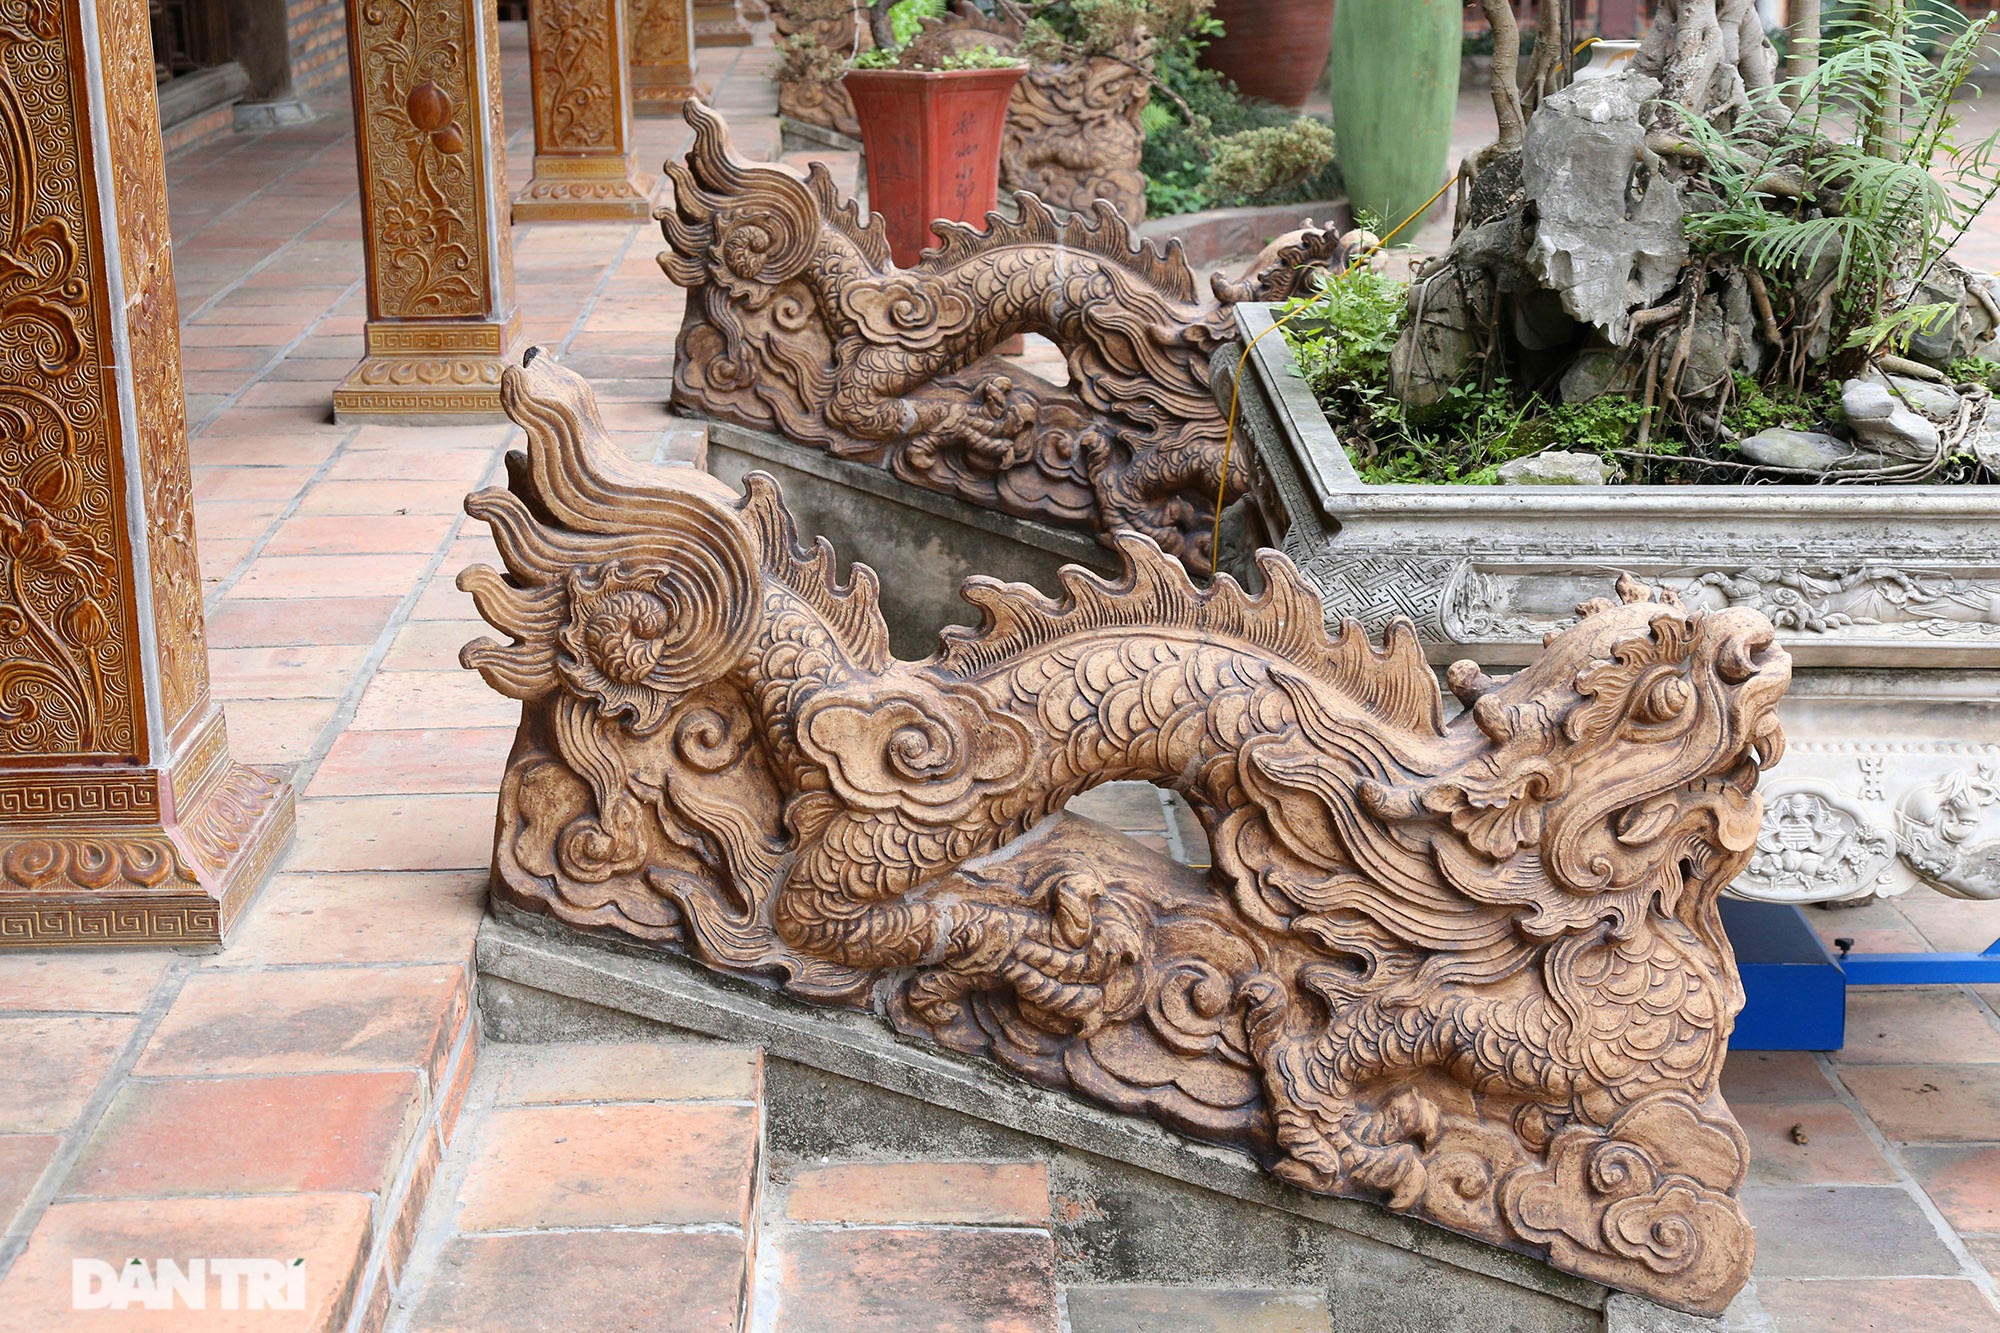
(1666, 700)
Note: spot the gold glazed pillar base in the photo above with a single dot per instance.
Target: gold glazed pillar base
(123, 817)
(430, 373)
(585, 189)
(584, 167)
(720, 25)
(665, 74)
(138, 854)
(435, 213)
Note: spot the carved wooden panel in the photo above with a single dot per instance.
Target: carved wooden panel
(1473, 972)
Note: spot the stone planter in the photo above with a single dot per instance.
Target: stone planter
(1887, 597)
(931, 141)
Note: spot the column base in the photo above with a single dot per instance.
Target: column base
(720, 25)
(430, 372)
(92, 857)
(585, 189)
(662, 90)
(255, 116)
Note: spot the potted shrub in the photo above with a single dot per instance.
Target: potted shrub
(1769, 345)
(932, 121)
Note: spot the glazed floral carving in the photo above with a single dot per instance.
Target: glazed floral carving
(798, 322)
(1471, 971)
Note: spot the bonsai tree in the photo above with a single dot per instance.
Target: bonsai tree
(1709, 267)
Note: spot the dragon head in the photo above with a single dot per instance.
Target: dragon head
(1617, 770)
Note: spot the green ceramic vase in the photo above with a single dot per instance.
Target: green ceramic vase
(1395, 87)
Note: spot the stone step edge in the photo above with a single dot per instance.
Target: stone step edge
(668, 989)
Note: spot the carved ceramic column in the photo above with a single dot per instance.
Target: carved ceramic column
(664, 77)
(123, 818)
(584, 167)
(434, 209)
(719, 24)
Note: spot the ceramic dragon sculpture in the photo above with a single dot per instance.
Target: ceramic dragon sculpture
(799, 322)
(1472, 970)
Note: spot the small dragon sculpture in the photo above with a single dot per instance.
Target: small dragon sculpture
(799, 322)
(1472, 970)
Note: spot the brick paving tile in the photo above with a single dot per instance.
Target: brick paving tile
(1843, 1231)
(384, 497)
(443, 601)
(624, 1072)
(295, 671)
(1929, 1103)
(276, 731)
(330, 575)
(1835, 1149)
(1964, 1182)
(1932, 1024)
(1878, 1307)
(218, 559)
(53, 1065)
(22, 1159)
(432, 645)
(328, 1231)
(249, 483)
(1134, 1309)
(460, 467)
(89, 981)
(401, 439)
(401, 1233)
(380, 763)
(289, 1134)
(649, 1164)
(372, 917)
(941, 1280)
(403, 700)
(245, 622)
(310, 1020)
(295, 448)
(235, 519)
(989, 1193)
(395, 833)
(359, 534)
(606, 1282)
(1985, 1250)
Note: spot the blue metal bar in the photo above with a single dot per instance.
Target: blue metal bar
(1923, 969)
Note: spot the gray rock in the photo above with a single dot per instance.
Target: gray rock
(1985, 441)
(1583, 158)
(1926, 396)
(1598, 371)
(1866, 400)
(1556, 467)
(1902, 435)
(1809, 450)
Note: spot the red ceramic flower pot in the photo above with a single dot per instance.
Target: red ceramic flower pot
(1273, 49)
(931, 140)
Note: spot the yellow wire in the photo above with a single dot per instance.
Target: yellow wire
(1236, 385)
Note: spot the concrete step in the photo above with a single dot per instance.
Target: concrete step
(1149, 1309)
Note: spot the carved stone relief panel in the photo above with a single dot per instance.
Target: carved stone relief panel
(719, 23)
(1471, 971)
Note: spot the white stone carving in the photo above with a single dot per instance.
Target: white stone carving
(1937, 832)
(1815, 847)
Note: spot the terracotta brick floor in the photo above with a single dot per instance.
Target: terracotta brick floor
(299, 1096)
